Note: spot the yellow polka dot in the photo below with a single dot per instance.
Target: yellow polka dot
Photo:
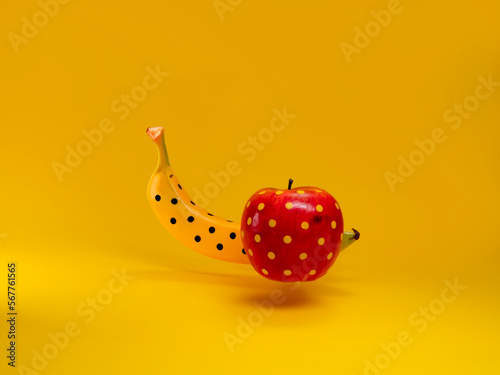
(249, 221)
(271, 255)
(312, 272)
(257, 238)
(289, 205)
(287, 272)
(279, 192)
(287, 239)
(262, 192)
(319, 208)
(304, 225)
(303, 256)
(334, 224)
(248, 204)
(330, 256)
(264, 271)
(319, 191)
(272, 223)
(321, 241)
(337, 205)
(341, 236)
(250, 252)
(261, 206)
(242, 234)
(300, 191)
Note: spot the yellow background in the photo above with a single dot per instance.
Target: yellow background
(226, 76)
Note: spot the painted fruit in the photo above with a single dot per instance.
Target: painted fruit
(292, 234)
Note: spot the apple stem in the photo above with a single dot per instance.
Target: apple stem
(290, 182)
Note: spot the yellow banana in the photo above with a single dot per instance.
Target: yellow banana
(190, 224)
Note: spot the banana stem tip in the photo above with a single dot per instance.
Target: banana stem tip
(155, 133)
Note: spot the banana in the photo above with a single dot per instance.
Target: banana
(192, 225)
(349, 238)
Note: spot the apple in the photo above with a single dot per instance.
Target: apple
(292, 235)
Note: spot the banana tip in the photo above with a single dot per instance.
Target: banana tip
(155, 133)
(356, 234)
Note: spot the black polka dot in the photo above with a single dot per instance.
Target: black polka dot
(194, 204)
(171, 176)
(232, 235)
(243, 251)
(157, 197)
(219, 246)
(180, 187)
(211, 229)
(197, 238)
(209, 214)
(173, 221)
(190, 219)
(174, 201)
(229, 221)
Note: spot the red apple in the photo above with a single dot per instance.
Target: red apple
(292, 234)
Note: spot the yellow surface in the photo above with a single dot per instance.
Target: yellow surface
(228, 79)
